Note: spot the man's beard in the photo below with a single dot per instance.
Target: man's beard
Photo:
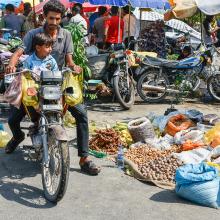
(52, 26)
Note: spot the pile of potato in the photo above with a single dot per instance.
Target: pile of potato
(161, 169)
(155, 164)
(143, 154)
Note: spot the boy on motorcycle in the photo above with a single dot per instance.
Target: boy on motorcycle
(62, 51)
(38, 61)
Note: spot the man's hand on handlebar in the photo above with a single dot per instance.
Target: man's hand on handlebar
(10, 69)
(77, 69)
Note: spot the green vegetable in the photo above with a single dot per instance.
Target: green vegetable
(79, 54)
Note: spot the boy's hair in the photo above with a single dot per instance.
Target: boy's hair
(54, 6)
(42, 39)
(10, 7)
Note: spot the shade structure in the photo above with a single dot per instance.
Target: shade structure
(39, 7)
(119, 3)
(16, 3)
(32, 2)
(209, 7)
(187, 8)
(159, 4)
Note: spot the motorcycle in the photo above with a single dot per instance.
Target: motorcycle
(112, 68)
(160, 77)
(48, 136)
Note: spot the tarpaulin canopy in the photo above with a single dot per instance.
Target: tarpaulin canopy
(159, 4)
(16, 3)
(209, 7)
(187, 8)
(39, 7)
(119, 3)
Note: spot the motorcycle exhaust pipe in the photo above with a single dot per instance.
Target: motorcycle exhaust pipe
(159, 89)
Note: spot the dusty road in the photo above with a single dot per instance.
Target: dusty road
(111, 195)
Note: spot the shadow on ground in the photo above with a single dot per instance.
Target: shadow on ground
(168, 196)
(13, 169)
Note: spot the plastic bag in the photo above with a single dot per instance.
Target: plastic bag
(4, 138)
(72, 89)
(199, 183)
(13, 94)
(29, 91)
(192, 135)
(195, 156)
(214, 156)
(178, 123)
(162, 143)
(190, 145)
(68, 120)
(141, 129)
(212, 134)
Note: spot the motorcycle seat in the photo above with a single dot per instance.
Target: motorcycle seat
(155, 61)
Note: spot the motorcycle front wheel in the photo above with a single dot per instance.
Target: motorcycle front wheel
(124, 90)
(152, 86)
(213, 85)
(55, 176)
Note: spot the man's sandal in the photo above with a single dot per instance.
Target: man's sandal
(90, 168)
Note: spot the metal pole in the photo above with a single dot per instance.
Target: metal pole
(201, 23)
(129, 24)
(140, 19)
(35, 21)
(119, 26)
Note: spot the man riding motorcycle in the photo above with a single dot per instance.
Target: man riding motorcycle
(62, 52)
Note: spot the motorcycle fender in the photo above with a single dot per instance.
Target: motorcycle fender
(59, 132)
(116, 73)
(143, 69)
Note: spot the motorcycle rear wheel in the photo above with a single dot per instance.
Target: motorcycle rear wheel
(213, 85)
(55, 177)
(125, 96)
(152, 77)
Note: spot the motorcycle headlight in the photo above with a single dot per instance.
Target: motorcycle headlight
(51, 92)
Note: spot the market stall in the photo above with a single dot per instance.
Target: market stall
(182, 145)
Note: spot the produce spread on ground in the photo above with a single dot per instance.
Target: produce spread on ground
(173, 151)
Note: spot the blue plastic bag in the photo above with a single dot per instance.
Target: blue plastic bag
(199, 183)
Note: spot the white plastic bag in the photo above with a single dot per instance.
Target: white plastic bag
(194, 156)
(192, 135)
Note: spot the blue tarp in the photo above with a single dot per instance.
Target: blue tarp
(158, 4)
(13, 2)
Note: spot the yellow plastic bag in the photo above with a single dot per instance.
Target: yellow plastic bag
(4, 138)
(72, 89)
(212, 134)
(29, 84)
(69, 120)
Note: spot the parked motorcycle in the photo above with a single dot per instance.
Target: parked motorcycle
(160, 77)
(112, 68)
(48, 136)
